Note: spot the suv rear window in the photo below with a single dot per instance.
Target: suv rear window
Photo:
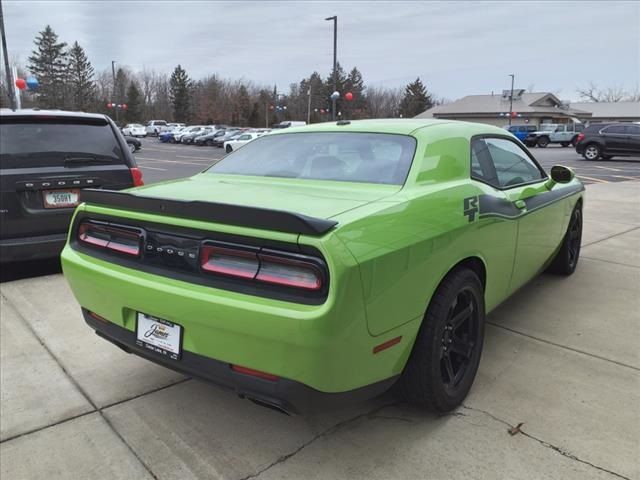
(29, 142)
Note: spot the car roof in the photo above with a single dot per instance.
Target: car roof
(26, 112)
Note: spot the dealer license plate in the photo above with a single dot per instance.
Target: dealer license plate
(61, 198)
(159, 336)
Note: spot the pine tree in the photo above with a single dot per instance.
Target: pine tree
(179, 94)
(416, 99)
(341, 78)
(133, 113)
(354, 84)
(80, 79)
(243, 105)
(48, 63)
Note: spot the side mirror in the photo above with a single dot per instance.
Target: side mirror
(560, 174)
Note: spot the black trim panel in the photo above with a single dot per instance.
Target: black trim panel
(283, 394)
(238, 215)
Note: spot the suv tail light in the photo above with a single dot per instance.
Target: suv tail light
(580, 137)
(109, 237)
(263, 266)
(136, 175)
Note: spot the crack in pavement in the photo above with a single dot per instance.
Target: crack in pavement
(546, 444)
(329, 431)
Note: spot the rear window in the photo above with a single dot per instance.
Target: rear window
(27, 142)
(348, 157)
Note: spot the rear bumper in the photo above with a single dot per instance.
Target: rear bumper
(31, 248)
(283, 394)
(580, 148)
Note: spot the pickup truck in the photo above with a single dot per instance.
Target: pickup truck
(156, 127)
(564, 134)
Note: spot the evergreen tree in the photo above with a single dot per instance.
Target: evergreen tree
(120, 87)
(48, 63)
(80, 79)
(340, 80)
(243, 105)
(354, 84)
(133, 113)
(416, 99)
(179, 85)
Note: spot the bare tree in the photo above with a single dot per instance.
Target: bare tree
(592, 93)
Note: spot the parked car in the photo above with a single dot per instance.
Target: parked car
(607, 140)
(134, 130)
(521, 131)
(155, 127)
(238, 141)
(46, 160)
(229, 134)
(177, 137)
(290, 123)
(208, 138)
(169, 135)
(190, 137)
(173, 125)
(133, 143)
(565, 135)
(324, 265)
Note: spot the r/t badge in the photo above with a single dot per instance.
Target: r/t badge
(470, 207)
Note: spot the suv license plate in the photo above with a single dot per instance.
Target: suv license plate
(61, 198)
(159, 336)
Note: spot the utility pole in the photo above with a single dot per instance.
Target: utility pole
(309, 107)
(511, 99)
(113, 72)
(335, 62)
(10, 85)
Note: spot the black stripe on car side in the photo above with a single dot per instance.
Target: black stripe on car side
(491, 206)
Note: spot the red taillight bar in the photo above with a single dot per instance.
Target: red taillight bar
(276, 268)
(254, 373)
(111, 238)
(136, 176)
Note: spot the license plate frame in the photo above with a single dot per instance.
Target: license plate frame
(48, 194)
(159, 336)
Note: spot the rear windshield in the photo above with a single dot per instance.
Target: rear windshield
(26, 143)
(348, 157)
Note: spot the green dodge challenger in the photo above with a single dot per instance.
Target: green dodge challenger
(327, 263)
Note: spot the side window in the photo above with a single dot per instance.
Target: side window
(513, 129)
(633, 129)
(615, 130)
(531, 128)
(512, 166)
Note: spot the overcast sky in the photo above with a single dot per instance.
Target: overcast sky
(457, 48)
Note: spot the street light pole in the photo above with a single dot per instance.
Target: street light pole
(309, 107)
(335, 62)
(113, 72)
(511, 99)
(10, 86)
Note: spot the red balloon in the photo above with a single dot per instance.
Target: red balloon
(348, 96)
(21, 83)
(124, 106)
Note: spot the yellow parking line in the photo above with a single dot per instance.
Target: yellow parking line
(169, 161)
(607, 168)
(152, 168)
(625, 177)
(597, 180)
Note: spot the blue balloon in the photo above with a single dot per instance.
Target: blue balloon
(32, 83)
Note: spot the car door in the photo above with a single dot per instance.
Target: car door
(633, 139)
(615, 139)
(529, 202)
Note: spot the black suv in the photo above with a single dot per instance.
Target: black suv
(607, 140)
(46, 159)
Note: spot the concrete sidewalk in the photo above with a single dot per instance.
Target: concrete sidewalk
(562, 356)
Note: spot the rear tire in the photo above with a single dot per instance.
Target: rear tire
(229, 149)
(592, 152)
(132, 148)
(566, 260)
(446, 353)
(564, 144)
(543, 142)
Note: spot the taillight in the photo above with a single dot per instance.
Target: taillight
(254, 373)
(264, 266)
(580, 137)
(136, 175)
(110, 237)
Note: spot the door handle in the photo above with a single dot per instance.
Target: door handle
(520, 204)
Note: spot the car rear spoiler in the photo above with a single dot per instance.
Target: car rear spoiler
(239, 215)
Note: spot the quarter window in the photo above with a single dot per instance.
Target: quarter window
(502, 163)
(616, 130)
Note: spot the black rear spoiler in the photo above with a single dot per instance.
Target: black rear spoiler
(251, 217)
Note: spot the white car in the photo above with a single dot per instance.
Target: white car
(231, 145)
(134, 130)
(154, 127)
(178, 135)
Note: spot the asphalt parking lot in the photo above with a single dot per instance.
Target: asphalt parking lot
(561, 357)
(165, 161)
